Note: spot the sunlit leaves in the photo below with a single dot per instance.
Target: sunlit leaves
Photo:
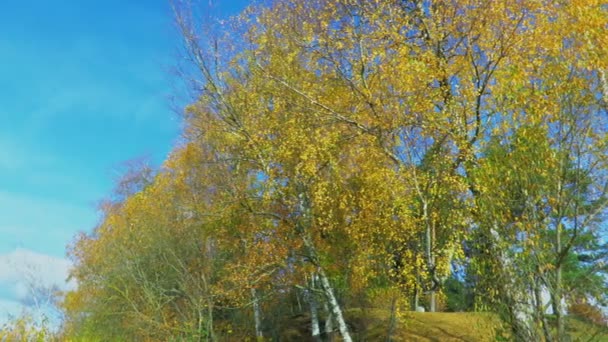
(379, 142)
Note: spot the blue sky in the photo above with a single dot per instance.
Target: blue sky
(84, 86)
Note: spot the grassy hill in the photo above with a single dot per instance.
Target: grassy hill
(373, 325)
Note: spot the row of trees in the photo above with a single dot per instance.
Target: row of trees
(343, 152)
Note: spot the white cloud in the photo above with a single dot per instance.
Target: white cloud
(27, 281)
(25, 275)
(12, 309)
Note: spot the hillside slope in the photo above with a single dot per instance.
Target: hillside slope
(373, 325)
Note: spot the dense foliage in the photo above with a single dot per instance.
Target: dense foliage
(354, 154)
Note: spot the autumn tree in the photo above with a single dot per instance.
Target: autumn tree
(445, 78)
(344, 148)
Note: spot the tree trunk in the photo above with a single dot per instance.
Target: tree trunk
(556, 294)
(200, 329)
(325, 284)
(334, 305)
(556, 303)
(515, 296)
(393, 321)
(522, 328)
(210, 332)
(416, 298)
(521, 312)
(329, 323)
(314, 317)
(298, 300)
(314, 311)
(257, 315)
(430, 260)
(604, 84)
(540, 311)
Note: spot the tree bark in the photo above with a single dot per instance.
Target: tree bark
(334, 305)
(314, 311)
(556, 303)
(416, 301)
(540, 311)
(556, 294)
(257, 315)
(430, 259)
(210, 332)
(329, 323)
(515, 296)
(393, 321)
(328, 290)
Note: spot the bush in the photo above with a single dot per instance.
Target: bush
(588, 313)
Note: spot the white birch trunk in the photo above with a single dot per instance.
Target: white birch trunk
(314, 311)
(520, 306)
(329, 323)
(430, 260)
(604, 84)
(329, 292)
(325, 284)
(335, 306)
(257, 315)
(540, 310)
(314, 318)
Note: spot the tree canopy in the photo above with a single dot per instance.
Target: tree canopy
(345, 153)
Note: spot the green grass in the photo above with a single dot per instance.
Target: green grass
(583, 331)
(373, 325)
(428, 326)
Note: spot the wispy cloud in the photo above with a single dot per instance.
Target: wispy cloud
(84, 88)
(22, 265)
(29, 279)
(9, 308)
